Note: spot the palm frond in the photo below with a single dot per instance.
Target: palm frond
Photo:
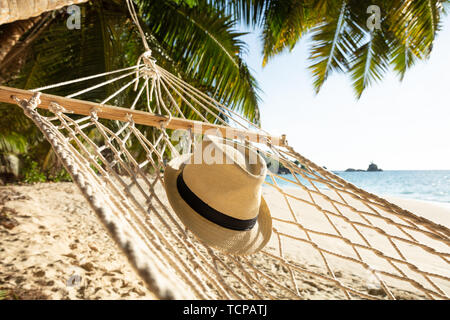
(416, 23)
(285, 22)
(207, 51)
(61, 54)
(402, 58)
(331, 46)
(249, 12)
(12, 142)
(370, 62)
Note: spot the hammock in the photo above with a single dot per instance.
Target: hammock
(328, 235)
(322, 214)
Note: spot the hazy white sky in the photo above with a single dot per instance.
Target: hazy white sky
(398, 125)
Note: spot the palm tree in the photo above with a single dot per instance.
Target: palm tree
(341, 39)
(198, 43)
(13, 33)
(15, 38)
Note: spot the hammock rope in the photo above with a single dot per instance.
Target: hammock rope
(127, 195)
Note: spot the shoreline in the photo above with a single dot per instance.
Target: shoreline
(367, 185)
(445, 205)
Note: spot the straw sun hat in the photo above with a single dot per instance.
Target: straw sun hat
(220, 201)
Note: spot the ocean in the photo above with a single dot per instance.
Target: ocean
(428, 185)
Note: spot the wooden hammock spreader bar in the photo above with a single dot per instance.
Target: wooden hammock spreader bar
(140, 117)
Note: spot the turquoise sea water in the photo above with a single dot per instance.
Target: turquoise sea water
(432, 185)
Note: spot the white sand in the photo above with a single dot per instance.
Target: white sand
(59, 239)
(438, 212)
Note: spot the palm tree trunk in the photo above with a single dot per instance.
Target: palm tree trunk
(12, 10)
(12, 52)
(13, 32)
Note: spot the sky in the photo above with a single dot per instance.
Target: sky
(397, 125)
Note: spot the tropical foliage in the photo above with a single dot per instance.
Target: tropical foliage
(191, 39)
(341, 40)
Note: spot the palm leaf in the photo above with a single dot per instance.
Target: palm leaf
(284, 24)
(402, 58)
(369, 62)
(207, 50)
(249, 12)
(331, 45)
(12, 142)
(416, 23)
(340, 39)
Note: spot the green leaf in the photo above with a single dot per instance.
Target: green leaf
(206, 48)
(369, 63)
(331, 46)
(285, 22)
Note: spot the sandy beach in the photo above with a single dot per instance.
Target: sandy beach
(59, 249)
(186, 129)
(52, 246)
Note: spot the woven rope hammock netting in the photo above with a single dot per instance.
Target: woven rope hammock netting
(328, 235)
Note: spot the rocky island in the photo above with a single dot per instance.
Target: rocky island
(372, 168)
(354, 170)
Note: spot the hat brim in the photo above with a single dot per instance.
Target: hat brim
(224, 239)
